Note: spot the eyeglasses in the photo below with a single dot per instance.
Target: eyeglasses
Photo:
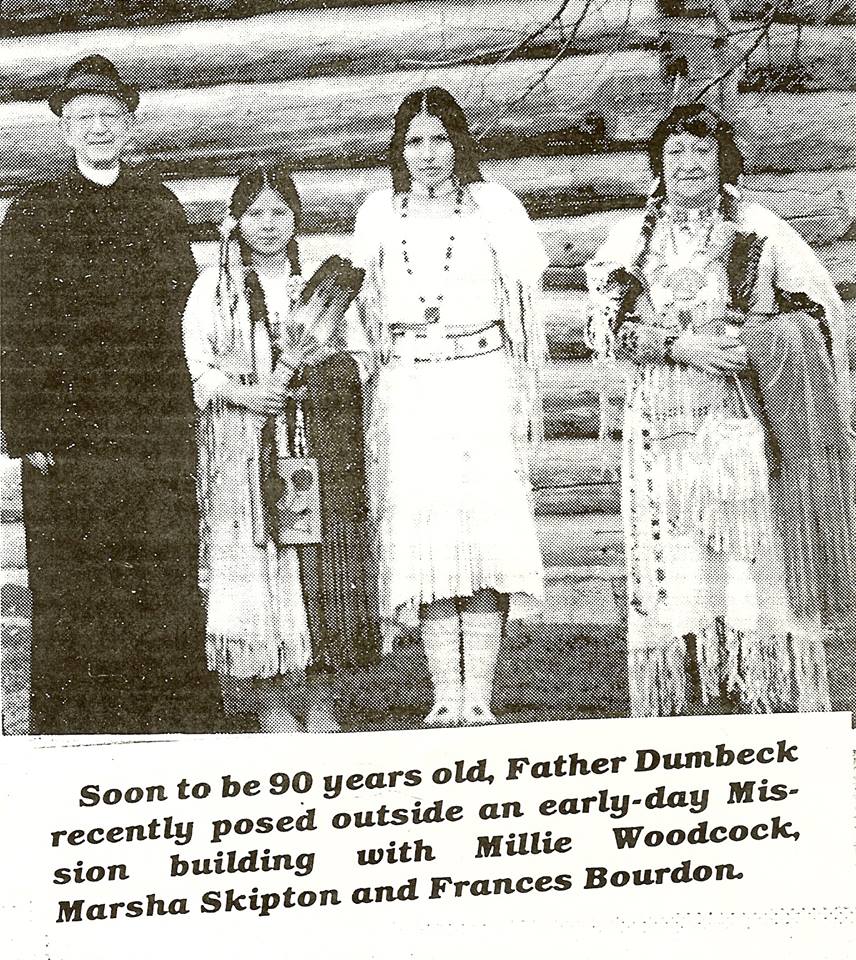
(110, 118)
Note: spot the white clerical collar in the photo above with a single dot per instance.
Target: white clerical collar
(444, 189)
(104, 178)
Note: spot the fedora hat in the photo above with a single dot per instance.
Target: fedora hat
(94, 74)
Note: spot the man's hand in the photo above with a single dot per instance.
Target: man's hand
(722, 355)
(41, 461)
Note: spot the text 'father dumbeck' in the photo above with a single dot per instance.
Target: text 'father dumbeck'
(572, 764)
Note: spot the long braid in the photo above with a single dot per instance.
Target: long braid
(227, 291)
(653, 208)
(628, 280)
(293, 253)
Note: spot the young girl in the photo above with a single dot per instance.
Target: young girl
(270, 379)
(453, 267)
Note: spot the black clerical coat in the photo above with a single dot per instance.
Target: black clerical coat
(93, 282)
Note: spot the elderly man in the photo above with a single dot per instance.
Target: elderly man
(96, 399)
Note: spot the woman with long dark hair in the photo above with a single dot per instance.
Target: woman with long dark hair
(737, 483)
(453, 267)
(277, 378)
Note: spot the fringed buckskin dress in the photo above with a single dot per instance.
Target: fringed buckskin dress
(711, 603)
(274, 609)
(452, 414)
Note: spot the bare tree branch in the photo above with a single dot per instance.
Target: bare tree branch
(764, 32)
(557, 16)
(545, 72)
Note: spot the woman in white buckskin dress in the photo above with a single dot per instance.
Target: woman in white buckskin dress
(737, 484)
(450, 300)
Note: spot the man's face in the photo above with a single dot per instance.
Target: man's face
(96, 127)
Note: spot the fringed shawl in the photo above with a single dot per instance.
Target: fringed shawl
(520, 262)
(791, 355)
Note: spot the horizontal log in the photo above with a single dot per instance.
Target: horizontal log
(584, 498)
(576, 463)
(839, 258)
(20, 17)
(292, 45)
(548, 186)
(576, 476)
(594, 540)
(815, 57)
(779, 132)
(819, 204)
(803, 11)
(565, 314)
(322, 123)
(571, 241)
(798, 131)
(590, 599)
(572, 399)
(345, 121)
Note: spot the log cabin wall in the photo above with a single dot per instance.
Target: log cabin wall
(562, 98)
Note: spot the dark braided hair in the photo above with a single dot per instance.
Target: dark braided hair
(233, 283)
(250, 185)
(649, 223)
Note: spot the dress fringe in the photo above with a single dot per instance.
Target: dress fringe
(243, 658)
(763, 674)
(452, 504)
(463, 569)
(723, 493)
(338, 576)
(815, 511)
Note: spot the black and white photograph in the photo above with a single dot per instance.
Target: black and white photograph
(364, 369)
(381, 366)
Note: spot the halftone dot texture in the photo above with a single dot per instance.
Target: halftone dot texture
(562, 106)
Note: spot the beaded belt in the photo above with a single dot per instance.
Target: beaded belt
(417, 345)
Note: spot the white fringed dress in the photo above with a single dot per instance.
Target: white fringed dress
(448, 438)
(256, 618)
(706, 581)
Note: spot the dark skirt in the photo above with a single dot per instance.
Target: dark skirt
(339, 575)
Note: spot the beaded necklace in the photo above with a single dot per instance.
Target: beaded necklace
(685, 271)
(432, 311)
